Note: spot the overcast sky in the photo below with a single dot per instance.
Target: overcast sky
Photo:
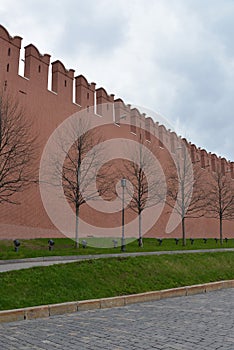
(175, 57)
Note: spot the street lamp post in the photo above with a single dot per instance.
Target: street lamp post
(123, 185)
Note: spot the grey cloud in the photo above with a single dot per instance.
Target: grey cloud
(173, 56)
(97, 27)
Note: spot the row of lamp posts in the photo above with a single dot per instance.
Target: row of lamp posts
(123, 185)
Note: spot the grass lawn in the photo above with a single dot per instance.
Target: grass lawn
(111, 277)
(65, 246)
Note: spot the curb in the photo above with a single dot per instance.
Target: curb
(44, 311)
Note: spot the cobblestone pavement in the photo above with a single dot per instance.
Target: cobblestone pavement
(198, 322)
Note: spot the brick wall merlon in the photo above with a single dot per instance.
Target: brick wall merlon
(84, 92)
(9, 55)
(122, 107)
(214, 156)
(104, 103)
(149, 122)
(81, 80)
(137, 116)
(193, 152)
(36, 66)
(174, 142)
(58, 66)
(120, 103)
(16, 40)
(149, 128)
(103, 97)
(204, 159)
(31, 50)
(231, 165)
(62, 81)
(142, 117)
(161, 135)
(121, 110)
(224, 165)
(137, 120)
(135, 112)
(185, 141)
(214, 162)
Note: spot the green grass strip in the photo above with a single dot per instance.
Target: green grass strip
(64, 246)
(110, 277)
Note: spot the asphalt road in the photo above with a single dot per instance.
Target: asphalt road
(199, 322)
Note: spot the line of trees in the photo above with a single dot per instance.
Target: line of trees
(191, 191)
(199, 193)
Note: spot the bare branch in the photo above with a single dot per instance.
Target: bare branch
(80, 168)
(220, 198)
(147, 187)
(185, 192)
(17, 149)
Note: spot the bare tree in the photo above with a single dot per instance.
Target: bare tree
(185, 191)
(17, 147)
(80, 167)
(220, 199)
(147, 186)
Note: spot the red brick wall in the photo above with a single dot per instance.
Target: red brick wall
(48, 107)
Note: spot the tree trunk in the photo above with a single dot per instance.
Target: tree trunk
(77, 228)
(140, 241)
(221, 230)
(183, 232)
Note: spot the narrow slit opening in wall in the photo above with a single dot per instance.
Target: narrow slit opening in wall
(95, 102)
(9, 51)
(8, 67)
(73, 83)
(133, 125)
(49, 86)
(65, 83)
(39, 69)
(21, 63)
(113, 113)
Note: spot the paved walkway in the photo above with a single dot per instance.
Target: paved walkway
(199, 322)
(8, 265)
